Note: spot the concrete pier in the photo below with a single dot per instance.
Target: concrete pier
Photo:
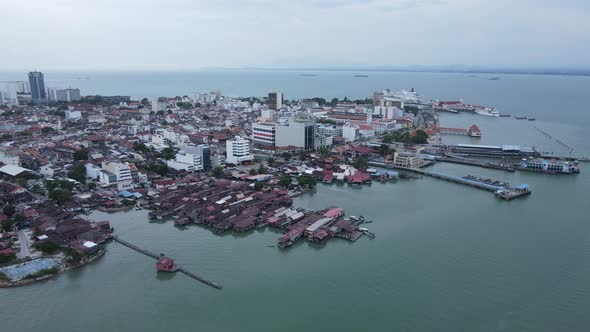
(154, 256)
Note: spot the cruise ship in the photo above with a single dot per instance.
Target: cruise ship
(487, 111)
(548, 166)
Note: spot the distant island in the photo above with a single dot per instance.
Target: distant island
(462, 69)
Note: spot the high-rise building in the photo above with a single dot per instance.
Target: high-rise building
(264, 133)
(64, 94)
(275, 100)
(237, 151)
(9, 92)
(297, 134)
(37, 84)
(192, 159)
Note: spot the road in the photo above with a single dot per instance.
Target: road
(24, 244)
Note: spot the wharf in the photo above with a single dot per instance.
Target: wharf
(154, 256)
(501, 191)
(478, 163)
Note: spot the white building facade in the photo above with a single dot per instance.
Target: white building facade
(237, 150)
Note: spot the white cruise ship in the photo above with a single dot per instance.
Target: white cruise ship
(487, 112)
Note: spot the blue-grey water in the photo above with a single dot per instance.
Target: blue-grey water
(446, 257)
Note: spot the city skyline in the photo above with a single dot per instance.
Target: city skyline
(179, 34)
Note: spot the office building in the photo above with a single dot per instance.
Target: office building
(275, 100)
(237, 150)
(37, 85)
(297, 134)
(192, 159)
(64, 94)
(264, 133)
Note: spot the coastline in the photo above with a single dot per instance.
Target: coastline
(27, 282)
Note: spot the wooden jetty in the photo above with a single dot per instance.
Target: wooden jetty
(154, 256)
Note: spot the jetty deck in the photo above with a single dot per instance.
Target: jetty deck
(501, 191)
(154, 256)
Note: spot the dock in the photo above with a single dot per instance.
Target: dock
(479, 163)
(154, 256)
(500, 189)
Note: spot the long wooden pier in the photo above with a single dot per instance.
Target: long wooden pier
(154, 256)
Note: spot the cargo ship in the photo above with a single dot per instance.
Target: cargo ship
(548, 166)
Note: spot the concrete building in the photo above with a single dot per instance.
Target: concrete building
(9, 92)
(121, 171)
(158, 106)
(350, 132)
(9, 158)
(298, 134)
(275, 100)
(192, 159)
(329, 130)
(264, 133)
(388, 106)
(64, 94)
(37, 85)
(407, 159)
(72, 115)
(237, 150)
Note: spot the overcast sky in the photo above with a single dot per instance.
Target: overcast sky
(192, 34)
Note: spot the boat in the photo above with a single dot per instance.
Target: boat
(361, 75)
(494, 78)
(487, 112)
(520, 117)
(308, 75)
(548, 166)
(532, 119)
(505, 115)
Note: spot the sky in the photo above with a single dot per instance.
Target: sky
(195, 34)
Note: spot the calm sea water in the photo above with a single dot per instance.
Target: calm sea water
(446, 257)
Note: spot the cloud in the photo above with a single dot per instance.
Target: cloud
(177, 34)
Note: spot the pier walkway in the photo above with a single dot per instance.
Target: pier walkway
(503, 192)
(154, 256)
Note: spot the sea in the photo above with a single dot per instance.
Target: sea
(445, 257)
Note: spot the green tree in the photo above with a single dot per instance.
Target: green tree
(168, 153)
(9, 210)
(72, 255)
(7, 225)
(81, 154)
(334, 101)
(324, 152)
(307, 180)
(60, 195)
(285, 181)
(48, 247)
(302, 155)
(78, 173)
(127, 202)
(411, 109)
(258, 186)
(139, 146)
(287, 156)
(217, 171)
(270, 161)
(421, 137)
(92, 186)
(47, 130)
(384, 149)
(6, 258)
(262, 169)
(360, 163)
(145, 101)
(252, 171)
